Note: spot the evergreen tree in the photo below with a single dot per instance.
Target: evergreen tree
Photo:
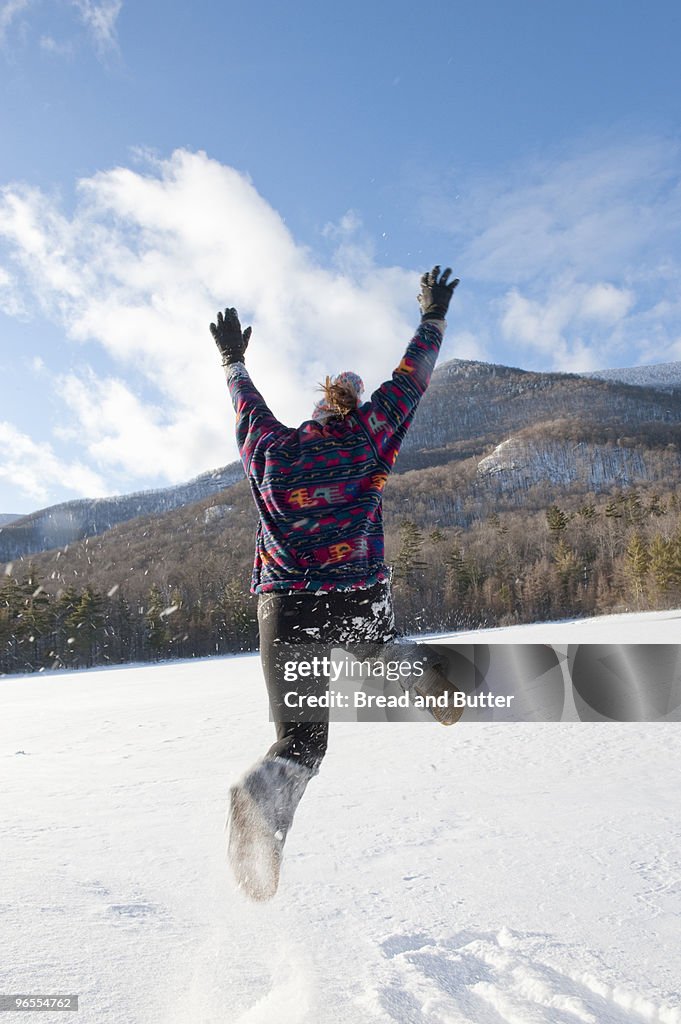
(632, 508)
(29, 621)
(556, 521)
(613, 510)
(456, 582)
(409, 564)
(62, 652)
(156, 629)
(234, 617)
(568, 570)
(85, 626)
(662, 568)
(637, 563)
(125, 640)
(10, 610)
(178, 623)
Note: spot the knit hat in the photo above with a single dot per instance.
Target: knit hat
(341, 395)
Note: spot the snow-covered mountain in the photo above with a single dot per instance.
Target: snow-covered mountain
(69, 521)
(658, 375)
(471, 406)
(6, 518)
(470, 409)
(491, 873)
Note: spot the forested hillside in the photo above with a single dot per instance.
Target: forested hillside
(178, 586)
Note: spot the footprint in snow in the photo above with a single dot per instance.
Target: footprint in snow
(500, 979)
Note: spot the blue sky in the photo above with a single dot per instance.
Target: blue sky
(305, 163)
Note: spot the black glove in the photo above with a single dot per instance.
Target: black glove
(228, 337)
(436, 295)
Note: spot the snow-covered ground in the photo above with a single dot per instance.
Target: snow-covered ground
(641, 628)
(523, 873)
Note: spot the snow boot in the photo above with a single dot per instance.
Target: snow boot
(439, 695)
(262, 806)
(436, 689)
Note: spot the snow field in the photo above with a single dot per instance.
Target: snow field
(522, 873)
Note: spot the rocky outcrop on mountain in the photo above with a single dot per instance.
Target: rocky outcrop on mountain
(522, 461)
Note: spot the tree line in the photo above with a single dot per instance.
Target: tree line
(619, 552)
(611, 554)
(80, 628)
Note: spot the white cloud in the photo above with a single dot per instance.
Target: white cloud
(605, 303)
(127, 433)
(141, 269)
(100, 19)
(10, 300)
(556, 324)
(147, 257)
(464, 345)
(584, 243)
(590, 211)
(9, 12)
(60, 49)
(34, 468)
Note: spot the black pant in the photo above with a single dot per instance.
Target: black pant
(304, 617)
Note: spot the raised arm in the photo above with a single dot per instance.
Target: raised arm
(253, 417)
(388, 414)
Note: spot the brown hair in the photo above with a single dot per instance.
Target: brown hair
(340, 398)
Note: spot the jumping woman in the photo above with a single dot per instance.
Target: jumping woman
(319, 569)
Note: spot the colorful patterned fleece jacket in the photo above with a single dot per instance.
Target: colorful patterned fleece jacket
(318, 487)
